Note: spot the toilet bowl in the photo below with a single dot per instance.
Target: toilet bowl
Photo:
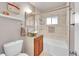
(14, 48)
(22, 54)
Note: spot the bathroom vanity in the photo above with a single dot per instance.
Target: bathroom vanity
(34, 45)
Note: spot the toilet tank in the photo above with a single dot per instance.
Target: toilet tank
(13, 48)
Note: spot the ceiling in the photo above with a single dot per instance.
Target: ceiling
(45, 6)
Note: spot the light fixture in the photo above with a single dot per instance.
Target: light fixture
(28, 10)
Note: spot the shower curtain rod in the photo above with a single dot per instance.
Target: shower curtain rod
(57, 9)
(52, 10)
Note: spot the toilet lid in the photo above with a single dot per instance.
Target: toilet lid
(13, 48)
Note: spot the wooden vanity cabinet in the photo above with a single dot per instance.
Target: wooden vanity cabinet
(38, 45)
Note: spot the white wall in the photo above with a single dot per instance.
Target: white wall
(74, 30)
(77, 27)
(60, 28)
(9, 31)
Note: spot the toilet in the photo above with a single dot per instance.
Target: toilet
(14, 48)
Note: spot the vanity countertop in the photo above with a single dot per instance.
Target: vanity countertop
(37, 35)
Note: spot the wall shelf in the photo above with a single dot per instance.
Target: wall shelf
(10, 17)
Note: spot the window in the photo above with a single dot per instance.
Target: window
(52, 20)
(49, 20)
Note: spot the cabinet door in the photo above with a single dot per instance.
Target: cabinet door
(36, 47)
(40, 44)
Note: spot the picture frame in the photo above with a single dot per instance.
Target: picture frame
(13, 8)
